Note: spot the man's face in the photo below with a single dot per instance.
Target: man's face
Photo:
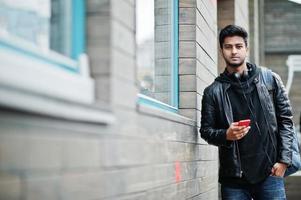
(234, 51)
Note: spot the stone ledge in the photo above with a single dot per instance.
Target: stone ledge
(31, 102)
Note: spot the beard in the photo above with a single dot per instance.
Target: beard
(234, 65)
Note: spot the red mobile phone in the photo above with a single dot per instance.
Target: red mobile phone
(245, 122)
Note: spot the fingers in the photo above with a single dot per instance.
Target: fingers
(237, 132)
(246, 129)
(278, 170)
(234, 124)
(240, 136)
(241, 130)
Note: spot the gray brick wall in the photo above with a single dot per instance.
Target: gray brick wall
(282, 38)
(139, 155)
(242, 13)
(198, 53)
(254, 14)
(282, 26)
(66, 160)
(197, 69)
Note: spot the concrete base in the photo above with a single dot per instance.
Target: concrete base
(292, 186)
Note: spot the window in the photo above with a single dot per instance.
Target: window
(42, 49)
(157, 52)
(47, 24)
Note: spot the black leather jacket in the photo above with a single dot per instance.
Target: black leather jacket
(217, 116)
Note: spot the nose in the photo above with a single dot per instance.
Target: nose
(234, 50)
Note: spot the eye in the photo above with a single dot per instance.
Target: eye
(227, 47)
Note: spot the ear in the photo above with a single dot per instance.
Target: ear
(221, 50)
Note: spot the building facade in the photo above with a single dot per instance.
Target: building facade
(282, 39)
(101, 99)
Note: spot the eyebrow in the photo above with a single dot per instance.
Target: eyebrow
(233, 44)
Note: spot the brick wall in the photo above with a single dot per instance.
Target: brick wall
(282, 38)
(282, 26)
(231, 12)
(146, 153)
(198, 67)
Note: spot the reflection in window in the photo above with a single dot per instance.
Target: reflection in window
(154, 48)
(44, 23)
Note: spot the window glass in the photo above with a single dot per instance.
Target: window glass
(44, 23)
(154, 49)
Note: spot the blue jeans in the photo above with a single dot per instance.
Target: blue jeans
(272, 188)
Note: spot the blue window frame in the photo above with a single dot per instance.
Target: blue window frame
(159, 87)
(78, 28)
(17, 36)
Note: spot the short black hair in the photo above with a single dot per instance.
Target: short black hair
(232, 30)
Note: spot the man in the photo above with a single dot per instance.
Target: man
(253, 158)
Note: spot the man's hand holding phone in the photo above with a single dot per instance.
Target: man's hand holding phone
(238, 130)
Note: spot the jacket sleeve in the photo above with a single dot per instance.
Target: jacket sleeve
(284, 121)
(208, 129)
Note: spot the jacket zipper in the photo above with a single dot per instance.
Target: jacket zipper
(239, 161)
